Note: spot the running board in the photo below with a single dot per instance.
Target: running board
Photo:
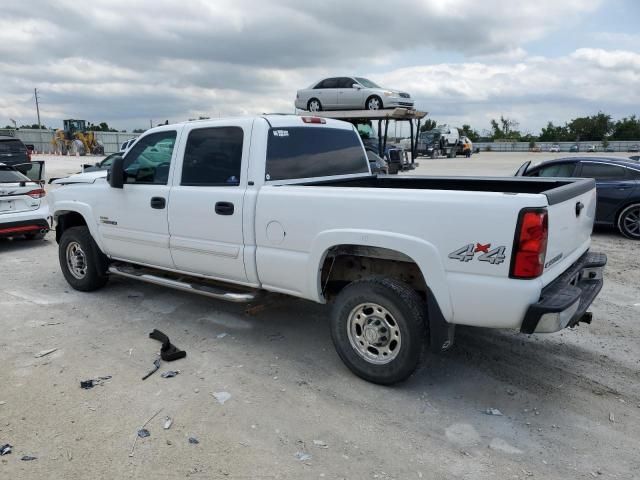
(192, 285)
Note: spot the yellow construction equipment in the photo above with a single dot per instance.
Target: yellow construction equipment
(74, 138)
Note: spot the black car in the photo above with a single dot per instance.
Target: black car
(617, 184)
(13, 151)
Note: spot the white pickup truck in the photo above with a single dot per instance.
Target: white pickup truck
(230, 208)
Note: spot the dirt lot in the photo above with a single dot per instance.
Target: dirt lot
(570, 401)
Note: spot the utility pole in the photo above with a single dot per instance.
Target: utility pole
(35, 93)
(150, 123)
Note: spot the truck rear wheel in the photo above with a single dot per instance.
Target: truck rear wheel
(83, 265)
(378, 328)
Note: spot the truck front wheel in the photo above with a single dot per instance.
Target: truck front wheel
(83, 265)
(378, 328)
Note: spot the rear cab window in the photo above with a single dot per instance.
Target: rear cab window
(311, 152)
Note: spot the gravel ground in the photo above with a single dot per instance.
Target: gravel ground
(570, 401)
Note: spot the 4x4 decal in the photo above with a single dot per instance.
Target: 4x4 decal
(468, 252)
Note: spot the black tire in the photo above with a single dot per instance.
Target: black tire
(316, 101)
(407, 312)
(371, 101)
(629, 221)
(91, 270)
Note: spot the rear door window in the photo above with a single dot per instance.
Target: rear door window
(308, 152)
(8, 175)
(603, 171)
(345, 82)
(213, 156)
(330, 83)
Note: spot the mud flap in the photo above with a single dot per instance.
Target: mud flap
(441, 333)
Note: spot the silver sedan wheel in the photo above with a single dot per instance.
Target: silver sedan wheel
(76, 260)
(373, 333)
(630, 222)
(314, 106)
(374, 104)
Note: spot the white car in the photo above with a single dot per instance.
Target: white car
(127, 144)
(555, 148)
(23, 208)
(230, 208)
(350, 93)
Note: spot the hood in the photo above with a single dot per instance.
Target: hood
(87, 177)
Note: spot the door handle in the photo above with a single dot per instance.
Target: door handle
(224, 208)
(158, 203)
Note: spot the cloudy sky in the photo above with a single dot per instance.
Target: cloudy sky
(464, 61)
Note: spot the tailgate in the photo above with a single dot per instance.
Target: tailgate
(571, 217)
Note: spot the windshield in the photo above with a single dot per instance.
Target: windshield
(12, 146)
(9, 175)
(308, 152)
(365, 82)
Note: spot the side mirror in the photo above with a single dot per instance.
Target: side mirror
(356, 86)
(116, 173)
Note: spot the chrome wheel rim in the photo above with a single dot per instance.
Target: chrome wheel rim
(76, 260)
(374, 333)
(314, 106)
(374, 104)
(631, 222)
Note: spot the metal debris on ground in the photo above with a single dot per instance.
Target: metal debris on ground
(320, 443)
(303, 456)
(221, 397)
(612, 418)
(222, 335)
(5, 449)
(168, 352)
(144, 433)
(167, 423)
(87, 384)
(28, 458)
(44, 353)
(193, 440)
(493, 411)
(170, 373)
(135, 439)
(156, 366)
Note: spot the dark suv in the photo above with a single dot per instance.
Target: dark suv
(13, 151)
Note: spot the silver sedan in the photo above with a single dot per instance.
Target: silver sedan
(350, 93)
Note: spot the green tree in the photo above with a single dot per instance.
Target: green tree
(627, 128)
(139, 130)
(593, 128)
(428, 124)
(470, 133)
(553, 133)
(506, 128)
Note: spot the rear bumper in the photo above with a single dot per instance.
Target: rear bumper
(32, 221)
(564, 302)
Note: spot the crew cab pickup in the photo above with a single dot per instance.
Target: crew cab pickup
(231, 208)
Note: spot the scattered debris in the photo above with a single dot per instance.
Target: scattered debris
(303, 456)
(168, 352)
(222, 335)
(135, 439)
(44, 353)
(167, 423)
(502, 446)
(5, 449)
(156, 366)
(194, 441)
(87, 384)
(612, 418)
(3, 403)
(511, 392)
(144, 433)
(494, 412)
(320, 443)
(221, 397)
(28, 458)
(170, 373)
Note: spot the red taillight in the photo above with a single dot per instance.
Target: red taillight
(313, 120)
(38, 193)
(530, 245)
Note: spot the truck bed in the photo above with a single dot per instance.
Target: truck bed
(556, 190)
